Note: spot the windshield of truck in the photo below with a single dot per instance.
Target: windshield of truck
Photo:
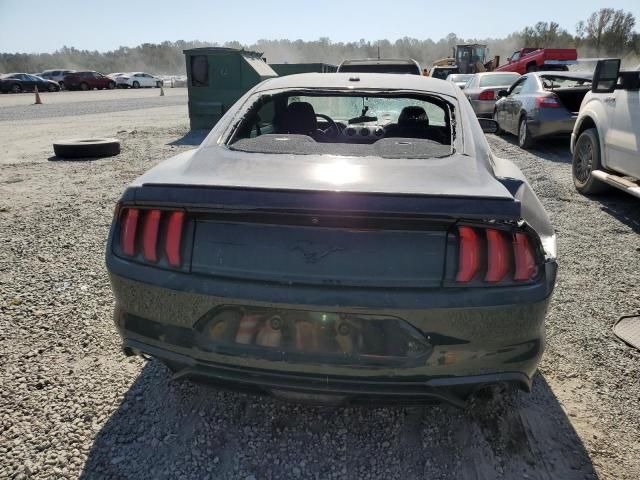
(339, 123)
(498, 79)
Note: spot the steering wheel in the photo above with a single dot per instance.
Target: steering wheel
(332, 124)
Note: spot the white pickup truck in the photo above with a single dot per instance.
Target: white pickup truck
(605, 142)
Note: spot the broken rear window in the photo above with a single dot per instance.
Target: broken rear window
(345, 123)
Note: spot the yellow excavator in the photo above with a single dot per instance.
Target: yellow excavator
(467, 58)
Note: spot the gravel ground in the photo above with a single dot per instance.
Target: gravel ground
(71, 405)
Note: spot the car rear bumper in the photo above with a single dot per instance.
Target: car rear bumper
(550, 121)
(470, 346)
(483, 108)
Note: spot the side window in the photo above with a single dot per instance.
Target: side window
(199, 71)
(515, 57)
(518, 87)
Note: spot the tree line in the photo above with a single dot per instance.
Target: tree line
(607, 32)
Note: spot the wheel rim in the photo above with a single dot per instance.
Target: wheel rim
(584, 161)
(522, 134)
(15, 88)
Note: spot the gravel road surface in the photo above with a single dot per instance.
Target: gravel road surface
(71, 405)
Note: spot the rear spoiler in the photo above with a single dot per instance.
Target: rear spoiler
(231, 198)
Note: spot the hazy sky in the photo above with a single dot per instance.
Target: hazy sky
(104, 25)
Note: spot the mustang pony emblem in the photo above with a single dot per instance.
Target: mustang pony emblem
(314, 252)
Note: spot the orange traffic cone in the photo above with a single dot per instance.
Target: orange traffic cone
(38, 101)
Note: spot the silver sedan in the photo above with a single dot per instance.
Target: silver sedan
(482, 90)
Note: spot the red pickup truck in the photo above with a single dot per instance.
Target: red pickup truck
(532, 59)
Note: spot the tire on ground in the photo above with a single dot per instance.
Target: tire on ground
(589, 185)
(87, 148)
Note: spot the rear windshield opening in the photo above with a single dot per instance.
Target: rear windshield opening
(345, 123)
(499, 79)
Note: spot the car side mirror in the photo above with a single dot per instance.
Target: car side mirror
(503, 93)
(488, 125)
(606, 76)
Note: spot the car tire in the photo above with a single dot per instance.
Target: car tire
(61, 85)
(532, 68)
(136, 85)
(499, 131)
(111, 85)
(51, 88)
(84, 86)
(586, 159)
(87, 148)
(16, 88)
(524, 135)
(158, 84)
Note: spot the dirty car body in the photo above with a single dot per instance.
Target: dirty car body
(337, 238)
(542, 104)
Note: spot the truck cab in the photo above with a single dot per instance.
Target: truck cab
(528, 60)
(605, 142)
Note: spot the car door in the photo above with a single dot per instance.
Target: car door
(149, 80)
(512, 106)
(42, 85)
(623, 137)
(28, 83)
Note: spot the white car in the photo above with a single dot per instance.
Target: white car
(56, 75)
(605, 142)
(137, 80)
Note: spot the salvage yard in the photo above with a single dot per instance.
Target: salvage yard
(71, 404)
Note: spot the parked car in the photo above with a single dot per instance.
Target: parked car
(88, 80)
(24, 82)
(460, 79)
(482, 91)
(309, 250)
(542, 104)
(528, 60)
(116, 74)
(56, 75)
(380, 65)
(605, 141)
(137, 80)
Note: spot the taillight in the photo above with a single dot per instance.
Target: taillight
(524, 258)
(174, 235)
(494, 256)
(153, 233)
(487, 95)
(468, 254)
(128, 231)
(548, 101)
(150, 229)
(498, 255)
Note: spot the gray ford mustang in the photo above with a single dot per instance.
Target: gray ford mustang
(337, 238)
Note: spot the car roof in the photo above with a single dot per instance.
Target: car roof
(483, 74)
(381, 81)
(379, 61)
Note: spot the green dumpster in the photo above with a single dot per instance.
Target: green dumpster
(283, 69)
(217, 77)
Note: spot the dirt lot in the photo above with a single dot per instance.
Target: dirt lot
(72, 405)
